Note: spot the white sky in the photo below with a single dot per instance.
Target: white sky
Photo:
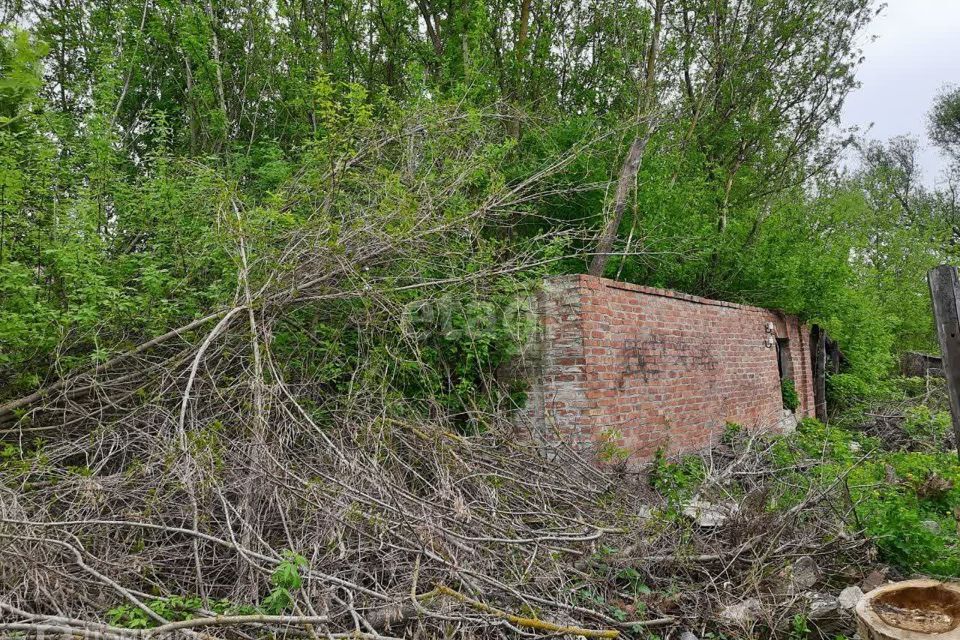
(914, 53)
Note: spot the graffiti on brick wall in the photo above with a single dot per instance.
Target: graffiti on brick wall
(655, 355)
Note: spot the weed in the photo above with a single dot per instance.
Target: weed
(731, 431)
(799, 629)
(286, 580)
(788, 391)
(676, 480)
(609, 449)
(927, 426)
(174, 608)
(634, 581)
(905, 500)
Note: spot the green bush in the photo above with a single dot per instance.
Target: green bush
(926, 426)
(911, 386)
(286, 580)
(676, 480)
(845, 390)
(911, 523)
(788, 391)
(904, 501)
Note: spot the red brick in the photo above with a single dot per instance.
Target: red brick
(662, 367)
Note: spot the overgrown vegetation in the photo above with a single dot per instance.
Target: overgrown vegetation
(896, 439)
(125, 123)
(905, 501)
(886, 472)
(266, 274)
(788, 392)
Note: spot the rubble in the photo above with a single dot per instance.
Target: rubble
(645, 512)
(822, 606)
(932, 526)
(849, 598)
(742, 613)
(788, 422)
(803, 574)
(707, 514)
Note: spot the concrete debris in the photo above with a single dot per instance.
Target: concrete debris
(800, 576)
(873, 580)
(788, 423)
(822, 606)
(686, 635)
(707, 514)
(804, 573)
(932, 526)
(849, 598)
(742, 613)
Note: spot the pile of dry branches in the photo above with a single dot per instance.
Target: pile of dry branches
(196, 463)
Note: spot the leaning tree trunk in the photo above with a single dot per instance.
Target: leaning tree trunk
(631, 166)
(628, 174)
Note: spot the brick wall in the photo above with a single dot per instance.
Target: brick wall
(648, 368)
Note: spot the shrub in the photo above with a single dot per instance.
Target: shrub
(845, 390)
(676, 480)
(926, 426)
(905, 501)
(788, 391)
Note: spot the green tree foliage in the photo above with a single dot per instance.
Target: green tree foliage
(126, 126)
(92, 255)
(944, 125)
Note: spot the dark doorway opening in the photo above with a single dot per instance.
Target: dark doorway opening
(784, 362)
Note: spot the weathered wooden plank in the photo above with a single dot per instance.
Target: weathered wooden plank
(818, 357)
(835, 357)
(945, 293)
(922, 365)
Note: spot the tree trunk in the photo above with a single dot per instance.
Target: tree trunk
(217, 65)
(631, 166)
(431, 28)
(519, 52)
(945, 295)
(628, 175)
(910, 610)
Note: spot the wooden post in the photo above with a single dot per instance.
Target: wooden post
(833, 354)
(945, 292)
(818, 357)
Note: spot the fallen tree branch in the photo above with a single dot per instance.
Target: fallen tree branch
(520, 621)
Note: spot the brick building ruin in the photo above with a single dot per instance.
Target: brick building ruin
(646, 368)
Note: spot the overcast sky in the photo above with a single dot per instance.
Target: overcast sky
(915, 52)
